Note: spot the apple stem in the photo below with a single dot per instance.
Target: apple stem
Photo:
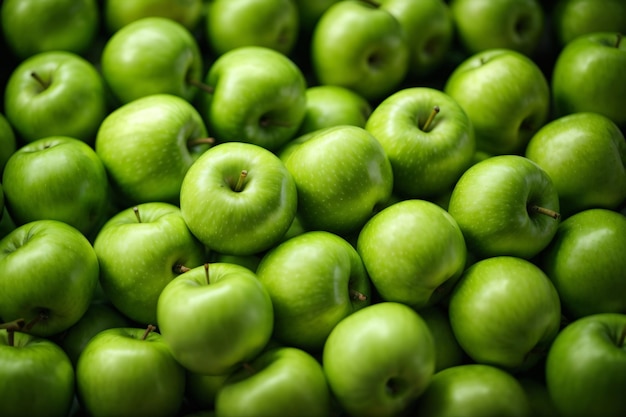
(200, 141)
(206, 273)
(542, 210)
(357, 295)
(40, 317)
(240, 181)
(180, 269)
(12, 327)
(622, 337)
(137, 215)
(149, 330)
(430, 119)
(39, 79)
(202, 86)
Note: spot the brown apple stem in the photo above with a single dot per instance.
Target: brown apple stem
(622, 338)
(202, 86)
(241, 180)
(137, 215)
(546, 211)
(12, 327)
(42, 316)
(39, 79)
(430, 119)
(200, 141)
(206, 273)
(149, 330)
(357, 295)
(180, 269)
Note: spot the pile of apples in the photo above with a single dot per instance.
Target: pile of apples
(313, 208)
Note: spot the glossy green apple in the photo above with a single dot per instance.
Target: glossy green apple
(588, 76)
(273, 24)
(57, 178)
(448, 352)
(333, 105)
(148, 145)
(506, 96)
(513, 24)
(55, 93)
(342, 175)
(585, 156)
(238, 198)
(414, 252)
(573, 18)
(315, 280)
(33, 26)
(505, 205)
(48, 274)
(379, 360)
(429, 28)
(281, 381)
(259, 96)
(214, 317)
(36, 377)
(119, 13)
(8, 142)
(361, 46)
(473, 390)
(586, 264)
(129, 371)
(140, 250)
(428, 138)
(586, 367)
(152, 55)
(505, 312)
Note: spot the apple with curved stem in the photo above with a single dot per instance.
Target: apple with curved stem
(573, 18)
(118, 13)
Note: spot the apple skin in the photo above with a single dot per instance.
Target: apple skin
(152, 55)
(590, 243)
(573, 18)
(259, 97)
(476, 390)
(148, 145)
(121, 373)
(31, 27)
(8, 142)
(138, 258)
(37, 377)
(368, 371)
(273, 24)
(57, 178)
(413, 251)
(312, 280)
(587, 76)
(58, 298)
(71, 103)
(585, 156)
(506, 96)
(342, 175)
(360, 46)
(492, 204)
(425, 163)
(119, 13)
(504, 311)
(280, 381)
(215, 317)
(586, 367)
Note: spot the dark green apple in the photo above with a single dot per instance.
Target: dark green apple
(573, 18)
(119, 13)
(8, 142)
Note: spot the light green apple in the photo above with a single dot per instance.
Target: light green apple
(118, 13)
(573, 18)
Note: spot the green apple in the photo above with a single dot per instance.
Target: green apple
(505, 311)
(55, 93)
(310, 12)
(333, 105)
(428, 138)
(129, 371)
(148, 145)
(448, 352)
(214, 317)
(238, 198)
(152, 55)
(586, 367)
(48, 274)
(140, 250)
(573, 18)
(37, 377)
(8, 142)
(585, 156)
(505, 205)
(474, 390)
(258, 96)
(379, 360)
(429, 28)
(315, 280)
(118, 13)
(34, 26)
(57, 178)
(281, 381)
(414, 252)
(586, 264)
(342, 175)
(506, 96)
(588, 76)
(273, 24)
(512, 24)
(361, 46)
